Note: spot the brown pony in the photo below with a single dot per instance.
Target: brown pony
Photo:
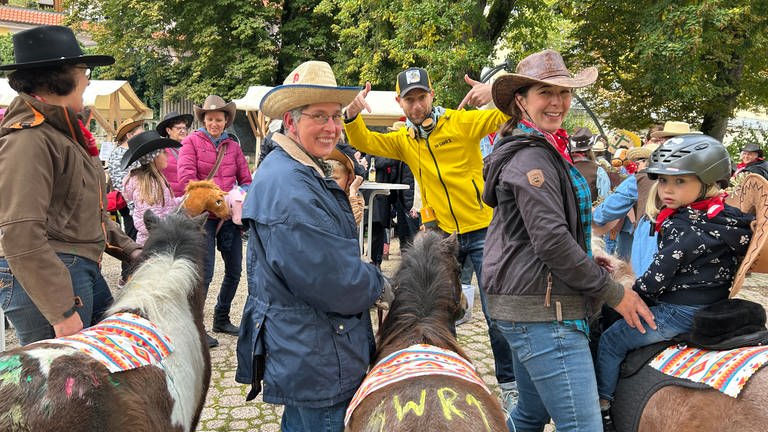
(52, 386)
(426, 306)
(205, 195)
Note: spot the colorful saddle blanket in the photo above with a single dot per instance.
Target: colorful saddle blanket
(414, 361)
(121, 342)
(726, 371)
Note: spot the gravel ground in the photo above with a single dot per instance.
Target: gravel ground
(226, 409)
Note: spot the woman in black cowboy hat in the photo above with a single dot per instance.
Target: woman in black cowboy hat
(52, 218)
(174, 126)
(752, 161)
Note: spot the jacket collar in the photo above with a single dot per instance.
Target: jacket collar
(26, 112)
(294, 151)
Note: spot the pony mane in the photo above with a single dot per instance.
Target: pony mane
(427, 294)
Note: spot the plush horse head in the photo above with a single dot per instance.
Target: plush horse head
(145, 367)
(205, 195)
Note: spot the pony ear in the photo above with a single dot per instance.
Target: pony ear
(201, 218)
(451, 243)
(150, 220)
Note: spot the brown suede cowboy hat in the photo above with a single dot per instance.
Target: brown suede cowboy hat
(46, 46)
(126, 126)
(216, 103)
(545, 67)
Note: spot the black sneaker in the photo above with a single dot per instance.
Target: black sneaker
(607, 421)
(212, 342)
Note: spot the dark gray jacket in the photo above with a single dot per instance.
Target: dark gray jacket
(535, 233)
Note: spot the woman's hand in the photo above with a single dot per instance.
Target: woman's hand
(605, 263)
(69, 326)
(635, 311)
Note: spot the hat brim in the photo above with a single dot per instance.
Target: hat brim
(284, 98)
(120, 134)
(504, 88)
(229, 108)
(160, 128)
(666, 134)
(339, 156)
(132, 156)
(753, 197)
(90, 60)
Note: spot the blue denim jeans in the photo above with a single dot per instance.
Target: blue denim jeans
(555, 377)
(30, 324)
(620, 338)
(229, 241)
(471, 246)
(300, 419)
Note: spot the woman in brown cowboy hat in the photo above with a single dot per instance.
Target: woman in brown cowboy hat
(211, 153)
(52, 218)
(538, 272)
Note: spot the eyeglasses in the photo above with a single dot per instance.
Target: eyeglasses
(180, 128)
(322, 118)
(86, 70)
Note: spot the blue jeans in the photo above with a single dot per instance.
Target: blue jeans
(555, 377)
(471, 246)
(31, 325)
(300, 419)
(620, 338)
(229, 241)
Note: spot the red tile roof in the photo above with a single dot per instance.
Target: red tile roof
(30, 16)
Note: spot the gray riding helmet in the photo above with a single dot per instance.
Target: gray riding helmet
(700, 155)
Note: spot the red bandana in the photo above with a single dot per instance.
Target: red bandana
(90, 141)
(712, 206)
(559, 139)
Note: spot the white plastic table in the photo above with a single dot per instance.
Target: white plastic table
(377, 189)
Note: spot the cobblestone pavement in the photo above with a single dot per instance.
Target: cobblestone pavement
(226, 408)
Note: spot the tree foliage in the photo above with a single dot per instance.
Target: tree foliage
(671, 60)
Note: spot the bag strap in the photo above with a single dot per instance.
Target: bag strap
(219, 158)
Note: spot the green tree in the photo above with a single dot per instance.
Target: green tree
(379, 38)
(695, 61)
(6, 49)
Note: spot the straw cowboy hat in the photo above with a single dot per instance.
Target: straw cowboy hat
(45, 46)
(673, 128)
(144, 144)
(545, 67)
(310, 83)
(173, 117)
(637, 153)
(396, 126)
(126, 126)
(216, 103)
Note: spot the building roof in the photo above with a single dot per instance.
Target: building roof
(30, 16)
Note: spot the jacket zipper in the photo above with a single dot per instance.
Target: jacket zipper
(477, 194)
(445, 188)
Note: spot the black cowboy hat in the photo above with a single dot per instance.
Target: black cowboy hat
(50, 46)
(144, 143)
(582, 139)
(172, 118)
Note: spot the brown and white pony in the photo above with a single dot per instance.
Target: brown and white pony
(680, 409)
(47, 386)
(428, 301)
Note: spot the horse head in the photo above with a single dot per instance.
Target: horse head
(428, 296)
(205, 195)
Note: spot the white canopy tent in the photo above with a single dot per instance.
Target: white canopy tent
(110, 101)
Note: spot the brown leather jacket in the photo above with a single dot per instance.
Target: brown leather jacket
(53, 201)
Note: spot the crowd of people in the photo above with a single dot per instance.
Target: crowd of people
(524, 196)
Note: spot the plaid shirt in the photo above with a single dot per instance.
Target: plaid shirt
(584, 197)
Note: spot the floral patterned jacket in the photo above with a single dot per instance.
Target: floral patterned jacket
(698, 256)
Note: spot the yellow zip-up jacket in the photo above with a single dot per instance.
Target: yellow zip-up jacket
(448, 164)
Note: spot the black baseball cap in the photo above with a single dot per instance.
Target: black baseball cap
(412, 78)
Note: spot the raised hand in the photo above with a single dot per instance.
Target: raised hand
(358, 103)
(478, 95)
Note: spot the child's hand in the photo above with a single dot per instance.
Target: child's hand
(354, 188)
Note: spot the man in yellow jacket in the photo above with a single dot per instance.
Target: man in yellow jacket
(441, 147)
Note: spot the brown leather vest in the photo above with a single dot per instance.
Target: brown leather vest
(588, 169)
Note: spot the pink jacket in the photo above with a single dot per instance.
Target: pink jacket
(170, 172)
(198, 156)
(131, 193)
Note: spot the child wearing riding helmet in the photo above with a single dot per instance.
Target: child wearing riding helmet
(145, 184)
(701, 242)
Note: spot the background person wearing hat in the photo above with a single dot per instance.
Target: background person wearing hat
(146, 186)
(174, 126)
(441, 147)
(54, 230)
(538, 273)
(309, 291)
(581, 142)
(197, 161)
(752, 161)
(635, 237)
